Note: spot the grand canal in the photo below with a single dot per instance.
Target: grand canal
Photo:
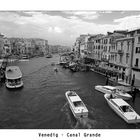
(41, 103)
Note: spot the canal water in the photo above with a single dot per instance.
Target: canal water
(41, 103)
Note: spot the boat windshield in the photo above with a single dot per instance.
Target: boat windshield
(109, 89)
(120, 91)
(14, 81)
(126, 108)
(78, 104)
(72, 93)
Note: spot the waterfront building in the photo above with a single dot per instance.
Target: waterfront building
(135, 33)
(53, 49)
(125, 47)
(77, 48)
(1, 45)
(81, 46)
(94, 48)
(7, 47)
(109, 48)
(40, 46)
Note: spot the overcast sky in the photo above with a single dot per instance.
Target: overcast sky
(62, 27)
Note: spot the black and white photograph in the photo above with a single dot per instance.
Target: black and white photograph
(73, 69)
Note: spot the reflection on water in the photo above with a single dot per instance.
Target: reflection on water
(41, 102)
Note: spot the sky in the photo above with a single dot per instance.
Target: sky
(63, 27)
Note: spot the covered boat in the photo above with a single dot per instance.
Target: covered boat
(118, 92)
(77, 106)
(123, 109)
(49, 55)
(13, 77)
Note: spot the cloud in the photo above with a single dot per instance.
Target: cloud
(128, 22)
(59, 29)
(89, 15)
(55, 30)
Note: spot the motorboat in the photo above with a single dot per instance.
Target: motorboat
(62, 63)
(118, 92)
(55, 69)
(13, 77)
(49, 55)
(77, 106)
(25, 56)
(72, 64)
(123, 109)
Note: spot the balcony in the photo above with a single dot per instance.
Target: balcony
(120, 52)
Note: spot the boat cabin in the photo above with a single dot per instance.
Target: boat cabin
(13, 76)
(78, 104)
(122, 105)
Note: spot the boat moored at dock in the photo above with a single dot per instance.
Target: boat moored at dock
(13, 77)
(123, 109)
(116, 91)
(77, 106)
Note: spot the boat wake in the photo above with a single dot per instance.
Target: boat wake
(81, 123)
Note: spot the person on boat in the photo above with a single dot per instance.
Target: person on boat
(134, 94)
(107, 80)
(55, 69)
(111, 96)
(133, 80)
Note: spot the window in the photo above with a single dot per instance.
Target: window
(106, 41)
(109, 49)
(127, 59)
(138, 31)
(138, 39)
(110, 41)
(121, 45)
(128, 44)
(137, 50)
(137, 62)
(120, 59)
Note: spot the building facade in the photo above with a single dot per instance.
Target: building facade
(135, 55)
(1, 45)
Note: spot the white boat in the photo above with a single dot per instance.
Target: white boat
(62, 62)
(56, 69)
(13, 77)
(118, 92)
(71, 64)
(123, 109)
(25, 56)
(49, 55)
(77, 106)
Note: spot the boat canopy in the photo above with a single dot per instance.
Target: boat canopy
(109, 87)
(120, 102)
(13, 72)
(75, 98)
